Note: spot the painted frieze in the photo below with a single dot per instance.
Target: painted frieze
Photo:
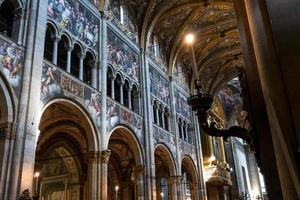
(56, 83)
(122, 56)
(74, 17)
(116, 115)
(159, 85)
(11, 63)
(162, 136)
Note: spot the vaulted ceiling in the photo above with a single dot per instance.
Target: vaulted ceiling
(214, 24)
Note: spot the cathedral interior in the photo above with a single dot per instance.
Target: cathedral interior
(149, 100)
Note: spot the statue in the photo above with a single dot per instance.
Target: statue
(25, 195)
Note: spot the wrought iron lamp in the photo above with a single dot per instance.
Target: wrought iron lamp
(201, 103)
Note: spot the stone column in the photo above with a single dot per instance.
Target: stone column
(81, 67)
(163, 118)
(94, 178)
(55, 46)
(19, 20)
(186, 133)
(29, 101)
(105, 155)
(138, 172)
(129, 97)
(113, 79)
(156, 107)
(7, 137)
(182, 132)
(222, 149)
(94, 75)
(172, 181)
(69, 49)
(121, 92)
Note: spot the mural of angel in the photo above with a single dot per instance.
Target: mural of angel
(11, 63)
(50, 83)
(112, 114)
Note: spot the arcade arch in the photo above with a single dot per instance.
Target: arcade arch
(125, 166)
(66, 149)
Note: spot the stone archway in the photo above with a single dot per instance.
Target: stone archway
(165, 172)
(66, 154)
(125, 166)
(7, 135)
(189, 179)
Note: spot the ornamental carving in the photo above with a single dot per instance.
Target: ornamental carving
(72, 86)
(7, 131)
(105, 155)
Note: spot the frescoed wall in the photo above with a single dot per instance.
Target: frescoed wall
(56, 83)
(128, 26)
(71, 15)
(122, 56)
(117, 114)
(181, 104)
(159, 85)
(11, 64)
(180, 75)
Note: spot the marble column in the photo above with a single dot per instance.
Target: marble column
(113, 79)
(55, 40)
(94, 178)
(163, 118)
(129, 97)
(94, 66)
(105, 155)
(81, 67)
(137, 177)
(156, 107)
(69, 49)
(172, 181)
(122, 92)
(29, 100)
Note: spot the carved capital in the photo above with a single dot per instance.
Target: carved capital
(176, 179)
(93, 157)
(105, 155)
(137, 171)
(8, 131)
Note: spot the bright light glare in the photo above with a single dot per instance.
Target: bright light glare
(162, 194)
(37, 174)
(117, 187)
(189, 38)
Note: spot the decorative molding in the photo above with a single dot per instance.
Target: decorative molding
(105, 155)
(72, 86)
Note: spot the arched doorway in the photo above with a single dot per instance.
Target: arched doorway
(164, 172)
(125, 167)
(62, 165)
(190, 179)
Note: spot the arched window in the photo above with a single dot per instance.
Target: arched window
(88, 64)
(166, 119)
(135, 104)
(180, 128)
(156, 46)
(117, 87)
(48, 48)
(109, 82)
(62, 54)
(155, 107)
(184, 131)
(160, 115)
(6, 18)
(75, 60)
(126, 94)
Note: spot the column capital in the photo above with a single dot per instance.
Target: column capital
(69, 47)
(93, 157)
(137, 171)
(105, 155)
(55, 38)
(175, 179)
(8, 131)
